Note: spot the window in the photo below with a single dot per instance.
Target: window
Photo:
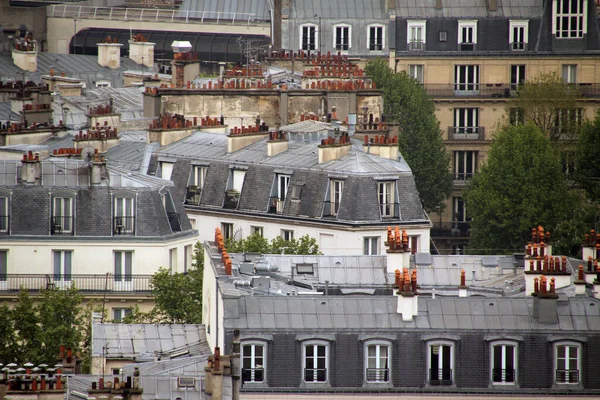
(467, 35)
(415, 71)
(387, 197)
(332, 206)
(234, 188)
(278, 193)
(516, 116)
(465, 165)
(443, 36)
(569, 73)
(567, 358)
(440, 362)
(62, 266)
(517, 76)
(416, 35)
(504, 363)
(518, 32)
(227, 230)
(341, 40)
(568, 123)
(287, 234)
(120, 313)
(123, 270)
(4, 220)
(3, 267)
(165, 169)
(567, 160)
(375, 37)
(173, 260)
(188, 252)
(197, 176)
(569, 18)
(124, 219)
(460, 221)
(296, 191)
(377, 362)
(371, 246)
(466, 78)
(62, 215)
(466, 120)
(257, 230)
(315, 357)
(308, 37)
(253, 363)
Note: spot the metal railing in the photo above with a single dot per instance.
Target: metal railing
(567, 376)
(232, 198)
(73, 11)
(455, 228)
(462, 177)
(83, 282)
(174, 221)
(498, 90)
(466, 133)
(315, 375)
(378, 374)
(62, 225)
(193, 195)
(253, 375)
(389, 210)
(331, 208)
(440, 376)
(503, 375)
(124, 225)
(416, 45)
(276, 205)
(518, 46)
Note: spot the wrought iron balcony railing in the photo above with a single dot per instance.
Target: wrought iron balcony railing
(124, 225)
(193, 195)
(232, 198)
(567, 376)
(276, 205)
(253, 375)
(416, 45)
(500, 375)
(461, 178)
(378, 375)
(455, 228)
(466, 133)
(440, 376)
(315, 375)
(331, 208)
(62, 226)
(389, 210)
(87, 283)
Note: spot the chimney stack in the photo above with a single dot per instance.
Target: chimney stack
(334, 148)
(240, 137)
(382, 146)
(590, 251)
(398, 253)
(25, 53)
(30, 169)
(141, 51)
(544, 301)
(463, 288)
(539, 261)
(109, 53)
(408, 304)
(99, 174)
(277, 143)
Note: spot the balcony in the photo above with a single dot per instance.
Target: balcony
(500, 375)
(276, 205)
(315, 375)
(461, 178)
(567, 376)
(440, 377)
(253, 375)
(466, 133)
(331, 208)
(85, 283)
(518, 46)
(469, 90)
(192, 195)
(378, 375)
(123, 225)
(458, 229)
(62, 226)
(232, 198)
(4, 224)
(389, 210)
(416, 45)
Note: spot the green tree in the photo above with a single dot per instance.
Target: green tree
(27, 329)
(587, 162)
(420, 140)
(520, 187)
(547, 102)
(255, 243)
(7, 336)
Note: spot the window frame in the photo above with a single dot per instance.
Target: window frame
(227, 229)
(316, 41)
(440, 342)
(419, 76)
(504, 344)
(5, 214)
(379, 344)
(463, 27)
(462, 73)
(315, 343)
(569, 73)
(71, 215)
(470, 120)
(376, 26)
(518, 74)
(3, 268)
(371, 245)
(198, 176)
(336, 192)
(123, 313)
(518, 24)
(123, 280)
(254, 344)
(126, 211)
(257, 229)
(287, 232)
(414, 44)
(461, 168)
(580, 15)
(161, 169)
(567, 343)
(348, 29)
(63, 275)
(391, 195)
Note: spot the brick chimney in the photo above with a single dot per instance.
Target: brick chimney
(277, 143)
(141, 51)
(544, 301)
(218, 370)
(334, 148)
(31, 169)
(398, 253)
(408, 304)
(596, 283)
(24, 55)
(463, 288)
(590, 251)
(382, 146)
(109, 53)
(240, 137)
(580, 281)
(539, 261)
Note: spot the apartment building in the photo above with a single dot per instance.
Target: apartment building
(471, 56)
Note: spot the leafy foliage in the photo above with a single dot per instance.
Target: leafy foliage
(7, 336)
(257, 244)
(420, 139)
(587, 164)
(520, 187)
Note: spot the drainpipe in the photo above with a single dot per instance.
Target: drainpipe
(326, 288)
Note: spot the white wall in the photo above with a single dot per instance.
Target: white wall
(331, 240)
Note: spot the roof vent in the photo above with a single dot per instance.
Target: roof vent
(305, 269)
(181, 46)
(261, 282)
(246, 268)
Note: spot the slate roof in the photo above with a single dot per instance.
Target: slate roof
(468, 8)
(339, 9)
(131, 340)
(77, 66)
(260, 8)
(379, 313)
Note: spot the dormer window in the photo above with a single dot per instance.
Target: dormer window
(569, 18)
(195, 184)
(517, 35)
(375, 37)
(124, 216)
(416, 35)
(4, 215)
(308, 37)
(388, 207)
(342, 38)
(165, 169)
(278, 193)
(334, 198)
(467, 35)
(62, 220)
(234, 188)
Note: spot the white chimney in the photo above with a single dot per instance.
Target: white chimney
(24, 55)
(109, 55)
(141, 51)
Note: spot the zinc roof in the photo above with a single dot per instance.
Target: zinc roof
(339, 9)
(468, 8)
(259, 8)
